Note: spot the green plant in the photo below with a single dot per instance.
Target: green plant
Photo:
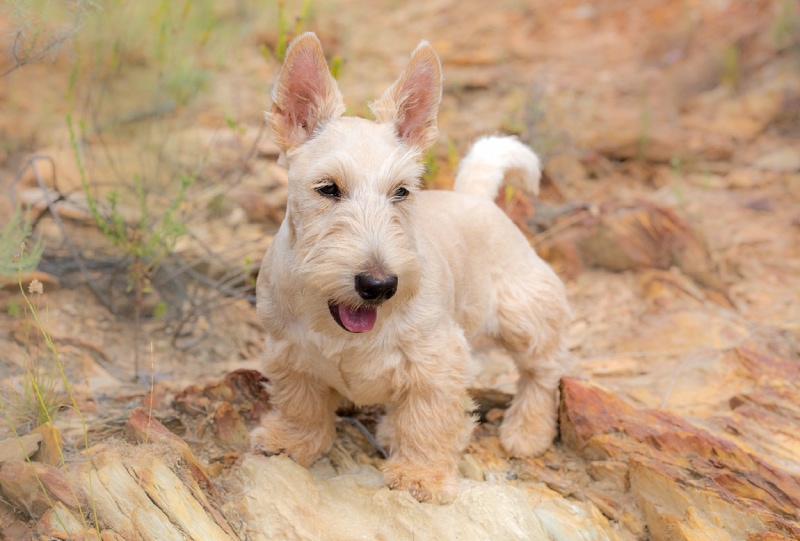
(787, 24)
(145, 242)
(679, 188)
(284, 35)
(14, 240)
(431, 167)
(336, 66)
(36, 39)
(40, 397)
(731, 67)
(644, 127)
(36, 399)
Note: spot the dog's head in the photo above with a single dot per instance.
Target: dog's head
(353, 182)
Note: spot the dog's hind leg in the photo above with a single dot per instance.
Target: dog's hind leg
(532, 313)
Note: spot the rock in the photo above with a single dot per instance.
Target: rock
(122, 504)
(229, 428)
(18, 531)
(55, 166)
(50, 451)
(243, 388)
(283, 500)
(19, 448)
(176, 500)
(142, 428)
(785, 159)
(36, 487)
(60, 523)
(743, 179)
(738, 117)
(625, 131)
(108, 535)
(140, 496)
(635, 235)
(12, 283)
(687, 482)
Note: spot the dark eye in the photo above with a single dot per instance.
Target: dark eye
(400, 194)
(329, 190)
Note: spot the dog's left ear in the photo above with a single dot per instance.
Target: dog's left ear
(412, 102)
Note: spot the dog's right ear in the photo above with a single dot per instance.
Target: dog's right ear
(305, 95)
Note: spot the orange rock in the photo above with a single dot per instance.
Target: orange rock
(229, 427)
(685, 479)
(36, 487)
(50, 450)
(142, 428)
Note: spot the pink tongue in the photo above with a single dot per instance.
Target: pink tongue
(358, 319)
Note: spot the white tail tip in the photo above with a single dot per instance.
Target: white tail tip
(494, 161)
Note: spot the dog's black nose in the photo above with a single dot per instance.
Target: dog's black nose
(376, 288)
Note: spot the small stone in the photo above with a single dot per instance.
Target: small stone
(19, 448)
(59, 520)
(22, 484)
(50, 450)
(229, 428)
(784, 160)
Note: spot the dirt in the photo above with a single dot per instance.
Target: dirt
(671, 204)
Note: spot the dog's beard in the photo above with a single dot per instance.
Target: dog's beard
(332, 253)
(355, 320)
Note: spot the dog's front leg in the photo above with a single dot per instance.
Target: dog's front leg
(302, 423)
(428, 422)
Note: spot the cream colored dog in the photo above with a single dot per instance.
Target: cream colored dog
(372, 285)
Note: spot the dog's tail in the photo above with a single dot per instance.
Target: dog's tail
(495, 161)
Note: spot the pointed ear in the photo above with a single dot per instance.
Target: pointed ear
(412, 102)
(305, 95)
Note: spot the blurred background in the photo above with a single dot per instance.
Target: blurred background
(136, 164)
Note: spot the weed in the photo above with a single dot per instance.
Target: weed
(35, 39)
(41, 396)
(679, 188)
(144, 243)
(336, 66)
(731, 67)
(535, 124)
(284, 34)
(36, 400)
(787, 24)
(13, 240)
(644, 128)
(431, 167)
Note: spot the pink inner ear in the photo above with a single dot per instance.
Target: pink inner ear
(418, 102)
(304, 85)
(415, 100)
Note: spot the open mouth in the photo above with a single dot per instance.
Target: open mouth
(354, 319)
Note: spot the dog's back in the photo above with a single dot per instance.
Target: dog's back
(477, 242)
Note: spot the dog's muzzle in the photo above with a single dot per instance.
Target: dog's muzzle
(373, 290)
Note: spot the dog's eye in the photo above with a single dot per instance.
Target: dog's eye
(329, 190)
(400, 194)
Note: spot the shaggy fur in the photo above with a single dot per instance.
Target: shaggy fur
(372, 286)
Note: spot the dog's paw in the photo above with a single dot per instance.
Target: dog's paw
(273, 438)
(524, 445)
(261, 442)
(523, 437)
(423, 483)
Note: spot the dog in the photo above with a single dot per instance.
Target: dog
(372, 285)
